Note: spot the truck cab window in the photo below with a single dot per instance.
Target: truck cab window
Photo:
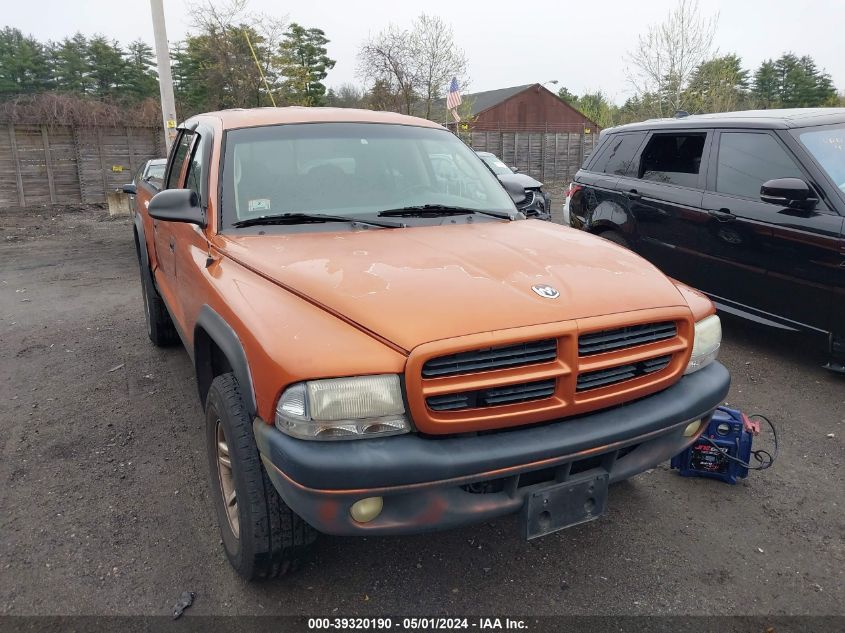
(193, 179)
(182, 148)
(673, 159)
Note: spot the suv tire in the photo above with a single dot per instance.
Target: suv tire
(616, 238)
(263, 538)
(160, 326)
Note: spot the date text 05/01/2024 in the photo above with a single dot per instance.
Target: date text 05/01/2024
(414, 624)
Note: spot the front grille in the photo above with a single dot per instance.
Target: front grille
(529, 200)
(613, 375)
(503, 357)
(495, 396)
(620, 338)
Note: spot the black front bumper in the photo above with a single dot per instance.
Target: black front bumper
(432, 483)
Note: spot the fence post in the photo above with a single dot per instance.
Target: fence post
(131, 152)
(102, 164)
(49, 163)
(78, 155)
(18, 177)
(554, 171)
(583, 142)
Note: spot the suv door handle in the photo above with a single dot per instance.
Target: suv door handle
(633, 194)
(723, 214)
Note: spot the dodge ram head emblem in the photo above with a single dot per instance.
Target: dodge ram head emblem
(546, 291)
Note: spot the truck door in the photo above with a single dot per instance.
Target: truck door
(165, 238)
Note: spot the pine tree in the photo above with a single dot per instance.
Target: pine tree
(70, 65)
(24, 68)
(141, 79)
(108, 68)
(304, 62)
(718, 85)
(766, 89)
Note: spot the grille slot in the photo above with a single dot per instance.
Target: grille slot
(613, 375)
(493, 397)
(621, 338)
(529, 199)
(503, 357)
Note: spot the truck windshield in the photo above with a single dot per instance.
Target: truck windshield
(351, 169)
(827, 145)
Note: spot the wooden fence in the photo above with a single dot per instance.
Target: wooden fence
(546, 156)
(56, 164)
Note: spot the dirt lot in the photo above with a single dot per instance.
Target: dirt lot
(104, 502)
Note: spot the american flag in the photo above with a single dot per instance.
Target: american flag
(453, 99)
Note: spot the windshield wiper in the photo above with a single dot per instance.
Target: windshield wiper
(427, 210)
(304, 218)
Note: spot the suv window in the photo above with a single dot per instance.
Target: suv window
(674, 159)
(747, 160)
(618, 153)
(182, 148)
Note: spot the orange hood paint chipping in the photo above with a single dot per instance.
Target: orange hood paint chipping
(422, 284)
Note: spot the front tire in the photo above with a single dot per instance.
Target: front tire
(262, 537)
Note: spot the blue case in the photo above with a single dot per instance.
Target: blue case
(701, 459)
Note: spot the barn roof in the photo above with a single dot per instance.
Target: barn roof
(480, 101)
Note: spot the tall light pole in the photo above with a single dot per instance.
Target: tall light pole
(165, 79)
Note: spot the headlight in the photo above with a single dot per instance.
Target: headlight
(705, 346)
(343, 408)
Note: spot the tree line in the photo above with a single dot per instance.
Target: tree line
(674, 68)
(232, 58)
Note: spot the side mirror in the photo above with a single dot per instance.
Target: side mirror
(788, 192)
(177, 205)
(515, 169)
(515, 191)
(130, 188)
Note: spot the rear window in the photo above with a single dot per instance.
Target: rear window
(674, 159)
(617, 154)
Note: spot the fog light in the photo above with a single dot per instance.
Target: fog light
(692, 428)
(366, 510)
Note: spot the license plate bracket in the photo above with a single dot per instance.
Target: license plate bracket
(562, 505)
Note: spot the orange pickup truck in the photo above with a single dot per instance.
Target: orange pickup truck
(382, 347)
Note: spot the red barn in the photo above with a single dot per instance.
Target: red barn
(525, 108)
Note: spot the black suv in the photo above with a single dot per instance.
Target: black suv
(746, 206)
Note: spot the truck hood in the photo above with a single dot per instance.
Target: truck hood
(523, 180)
(421, 284)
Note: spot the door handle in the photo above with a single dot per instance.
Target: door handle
(172, 244)
(723, 214)
(633, 194)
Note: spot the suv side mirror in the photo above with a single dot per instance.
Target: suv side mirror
(130, 188)
(515, 169)
(515, 191)
(177, 205)
(788, 192)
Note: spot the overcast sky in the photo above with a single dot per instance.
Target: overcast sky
(581, 44)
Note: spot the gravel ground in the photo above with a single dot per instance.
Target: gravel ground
(104, 503)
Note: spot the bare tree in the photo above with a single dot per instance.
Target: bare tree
(436, 59)
(668, 54)
(416, 64)
(387, 59)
